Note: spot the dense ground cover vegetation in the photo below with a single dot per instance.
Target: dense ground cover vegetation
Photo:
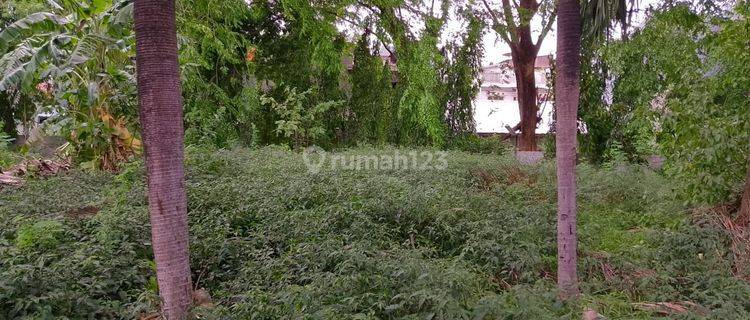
(270, 240)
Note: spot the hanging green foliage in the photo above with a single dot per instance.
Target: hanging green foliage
(234, 51)
(370, 97)
(298, 45)
(420, 104)
(220, 100)
(462, 79)
(387, 120)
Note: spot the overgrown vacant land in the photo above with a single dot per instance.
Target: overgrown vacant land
(270, 240)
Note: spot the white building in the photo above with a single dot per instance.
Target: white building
(496, 105)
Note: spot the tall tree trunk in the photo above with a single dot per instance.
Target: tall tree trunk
(567, 91)
(523, 55)
(160, 100)
(527, 107)
(743, 216)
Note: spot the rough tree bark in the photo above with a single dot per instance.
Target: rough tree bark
(523, 68)
(567, 91)
(160, 100)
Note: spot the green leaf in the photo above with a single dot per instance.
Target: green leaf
(15, 58)
(40, 21)
(99, 6)
(54, 4)
(87, 47)
(122, 15)
(22, 74)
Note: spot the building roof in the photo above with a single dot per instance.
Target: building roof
(542, 62)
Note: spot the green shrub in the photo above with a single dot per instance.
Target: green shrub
(302, 124)
(43, 234)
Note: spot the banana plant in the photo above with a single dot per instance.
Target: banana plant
(77, 61)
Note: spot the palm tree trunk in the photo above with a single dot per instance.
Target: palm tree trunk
(160, 100)
(567, 93)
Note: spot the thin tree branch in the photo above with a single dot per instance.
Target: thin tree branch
(500, 28)
(546, 30)
(417, 12)
(393, 54)
(372, 32)
(368, 7)
(491, 12)
(509, 21)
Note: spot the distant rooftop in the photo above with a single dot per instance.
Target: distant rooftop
(542, 62)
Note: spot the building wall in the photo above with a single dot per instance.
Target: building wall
(496, 105)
